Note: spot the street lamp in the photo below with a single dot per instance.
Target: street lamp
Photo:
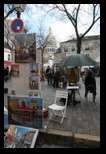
(19, 8)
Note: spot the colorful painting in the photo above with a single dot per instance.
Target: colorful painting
(20, 137)
(34, 93)
(25, 111)
(13, 92)
(6, 124)
(30, 92)
(14, 70)
(25, 48)
(34, 82)
(33, 67)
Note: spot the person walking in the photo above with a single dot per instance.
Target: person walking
(48, 75)
(57, 76)
(90, 84)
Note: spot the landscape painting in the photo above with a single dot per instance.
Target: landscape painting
(25, 111)
(25, 48)
(33, 68)
(20, 137)
(15, 70)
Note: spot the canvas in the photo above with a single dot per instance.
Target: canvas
(34, 82)
(20, 137)
(33, 68)
(13, 92)
(15, 70)
(6, 124)
(34, 93)
(25, 111)
(25, 48)
(30, 92)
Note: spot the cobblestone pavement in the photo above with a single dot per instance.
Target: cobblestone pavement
(83, 118)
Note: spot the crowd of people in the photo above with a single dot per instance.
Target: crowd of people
(55, 78)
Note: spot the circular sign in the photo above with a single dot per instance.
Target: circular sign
(17, 25)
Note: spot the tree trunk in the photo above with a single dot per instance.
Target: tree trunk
(78, 45)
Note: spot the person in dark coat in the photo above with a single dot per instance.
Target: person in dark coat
(48, 74)
(57, 76)
(90, 80)
(6, 74)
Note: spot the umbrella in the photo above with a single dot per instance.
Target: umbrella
(78, 60)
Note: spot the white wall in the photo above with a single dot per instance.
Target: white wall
(6, 53)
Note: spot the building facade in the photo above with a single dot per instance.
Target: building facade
(90, 46)
(51, 46)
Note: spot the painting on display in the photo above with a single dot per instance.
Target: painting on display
(6, 124)
(13, 92)
(33, 68)
(25, 111)
(20, 137)
(34, 82)
(34, 93)
(25, 48)
(15, 70)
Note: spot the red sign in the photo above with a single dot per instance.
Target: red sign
(17, 25)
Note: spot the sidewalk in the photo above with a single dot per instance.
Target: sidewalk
(82, 122)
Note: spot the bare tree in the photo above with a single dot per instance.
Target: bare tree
(75, 13)
(8, 33)
(42, 39)
(8, 9)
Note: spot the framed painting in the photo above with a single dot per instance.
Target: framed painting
(25, 48)
(33, 68)
(34, 82)
(20, 137)
(13, 92)
(15, 70)
(25, 111)
(30, 92)
(34, 93)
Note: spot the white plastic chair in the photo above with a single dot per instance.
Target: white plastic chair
(58, 109)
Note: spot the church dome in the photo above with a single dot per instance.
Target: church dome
(51, 40)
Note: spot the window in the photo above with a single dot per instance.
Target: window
(87, 55)
(66, 49)
(73, 48)
(87, 46)
(8, 57)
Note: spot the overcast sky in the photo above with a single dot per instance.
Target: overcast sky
(60, 29)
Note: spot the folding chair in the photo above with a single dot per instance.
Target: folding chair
(91, 89)
(58, 109)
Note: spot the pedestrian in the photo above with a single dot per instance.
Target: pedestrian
(51, 73)
(90, 80)
(57, 76)
(6, 74)
(48, 75)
